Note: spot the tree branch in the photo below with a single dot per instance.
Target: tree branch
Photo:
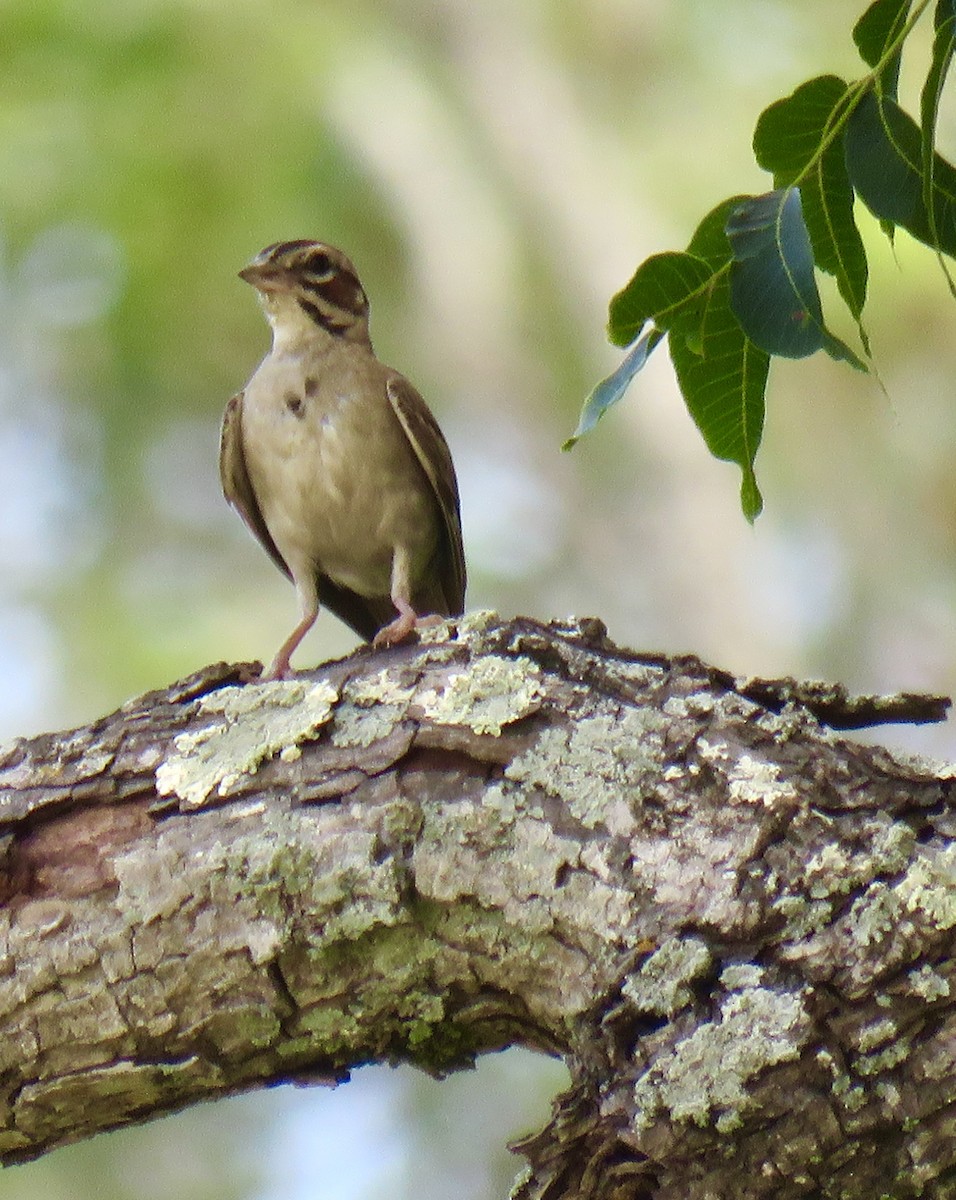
(735, 927)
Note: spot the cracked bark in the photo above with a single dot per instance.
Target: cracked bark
(736, 927)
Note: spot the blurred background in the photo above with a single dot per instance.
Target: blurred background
(496, 170)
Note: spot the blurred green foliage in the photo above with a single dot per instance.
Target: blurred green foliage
(496, 170)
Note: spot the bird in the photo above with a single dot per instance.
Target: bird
(336, 463)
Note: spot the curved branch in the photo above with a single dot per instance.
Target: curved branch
(735, 927)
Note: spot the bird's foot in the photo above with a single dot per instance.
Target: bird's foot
(279, 668)
(405, 624)
(402, 627)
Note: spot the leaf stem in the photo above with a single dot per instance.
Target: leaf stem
(858, 89)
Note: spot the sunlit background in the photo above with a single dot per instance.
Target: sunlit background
(496, 169)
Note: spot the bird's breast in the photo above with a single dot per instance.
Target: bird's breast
(336, 480)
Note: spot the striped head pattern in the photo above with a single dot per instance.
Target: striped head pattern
(312, 279)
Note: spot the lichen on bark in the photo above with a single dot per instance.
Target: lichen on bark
(734, 925)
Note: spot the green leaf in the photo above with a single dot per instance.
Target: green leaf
(772, 286)
(723, 384)
(721, 373)
(794, 140)
(668, 290)
(884, 154)
(875, 31)
(611, 389)
(710, 237)
(665, 288)
(943, 45)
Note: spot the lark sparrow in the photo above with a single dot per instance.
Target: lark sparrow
(335, 462)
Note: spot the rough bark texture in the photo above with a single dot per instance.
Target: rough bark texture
(736, 927)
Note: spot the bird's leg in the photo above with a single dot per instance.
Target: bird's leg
(407, 620)
(279, 668)
(400, 628)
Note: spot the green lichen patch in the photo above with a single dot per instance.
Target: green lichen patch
(495, 692)
(471, 628)
(737, 977)
(928, 984)
(235, 1028)
(705, 1076)
(598, 766)
(361, 726)
(883, 1060)
(382, 688)
(924, 895)
(802, 918)
(369, 709)
(451, 859)
(252, 724)
(266, 864)
(851, 1095)
(123, 1089)
(697, 704)
(452, 865)
(754, 780)
(751, 780)
(884, 848)
(477, 622)
(437, 632)
(383, 983)
(661, 984)
(506, 802)
(274, 870)
(75, 761)
(876, 1033)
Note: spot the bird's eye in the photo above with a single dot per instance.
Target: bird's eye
(321, 265)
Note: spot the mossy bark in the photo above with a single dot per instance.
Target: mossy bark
(735, 926)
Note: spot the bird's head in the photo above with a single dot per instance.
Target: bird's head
(306, 287)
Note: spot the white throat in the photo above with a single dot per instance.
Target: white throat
(291, 327)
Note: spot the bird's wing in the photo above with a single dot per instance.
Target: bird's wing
(432, 452)
(236, 484)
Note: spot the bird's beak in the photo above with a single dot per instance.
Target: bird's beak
(266, 277)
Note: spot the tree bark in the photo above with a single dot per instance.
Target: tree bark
(736, 927)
